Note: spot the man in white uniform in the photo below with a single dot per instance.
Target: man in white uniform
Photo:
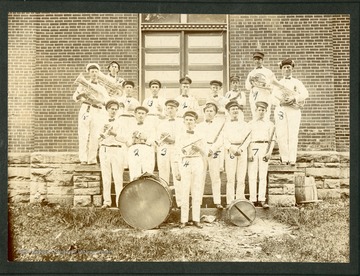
(236, 141)
(90, 115)
(190, 151)
(235, 94)
(111, 153)
(259, 153)
(260, 92)
(186, 101)
(287, 112)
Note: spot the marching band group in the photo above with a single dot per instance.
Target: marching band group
(125, 133)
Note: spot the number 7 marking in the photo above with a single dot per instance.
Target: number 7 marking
(256, 150)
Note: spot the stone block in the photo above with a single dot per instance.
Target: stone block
(331, 183)
(344, 173)
(80, 185)
(318, 156)
(38, 187)
(318, 165)
(55, 157)
(344, 157)
(19, 172)
(281, 200)
(59, 190)
(281, 178)
(97, 200)
(86, 178)
(41, 172)
(328, 193)
(19, 185)
(323, 173)
(12, 193)
(18, 158)
(82, 200)
(19, 199)
(87, 191)
(94, 184)
(344, 192)
(345, 183)
(62, 200)
(332, 165)
(319, 184)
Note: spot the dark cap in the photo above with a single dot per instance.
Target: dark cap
(262, 104)
(174, 103)
(233, 103)
(185, 80)
(128, 82)
(191, 114)
(110, 102)
(216, 82)
(155, 82)
(287, 62)
(210, 104)
(258, 54)
(234, 78)
(92, 66)
(140, 107)
(113, 63)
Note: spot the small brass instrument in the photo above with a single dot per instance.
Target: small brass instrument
(92, 94)
(161, 141)
(110, 84)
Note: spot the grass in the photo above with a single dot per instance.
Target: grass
(320, 233)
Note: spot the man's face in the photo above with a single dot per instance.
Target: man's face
(112, 110)
(260, 111)
(128, 89)
(171, 111)
(235, 85)
(258, 61)
(185, 87)
(234, 112)
(215, 89)
(287, 70)
(140, 115)
(155, 88)
(114, 69)
(93, 74)
(189, 122)
(209, 113)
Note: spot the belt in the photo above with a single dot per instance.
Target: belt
(260, 142)
(112, 146)
(237, 144)
(210, 143)
(126, 115)
(191, 156)
(93, 105)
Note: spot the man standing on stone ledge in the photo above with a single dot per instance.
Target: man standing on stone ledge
(259, 153)
(93, 97)
(289, 97)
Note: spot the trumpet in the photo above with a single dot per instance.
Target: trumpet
(92, 94)
(109, 83)
(183, 149)
(285, 94)
(259, 80)
(160, 142)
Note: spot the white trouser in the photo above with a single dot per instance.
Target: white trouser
(153, 121)
(236, 167)
(141, 159)
(111, 162)
(89, 129)
(127, 121)
(191, 171)
(213, 164)
(165, 162)
(258, 165)
(287, 122)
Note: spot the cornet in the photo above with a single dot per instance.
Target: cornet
(160, 142)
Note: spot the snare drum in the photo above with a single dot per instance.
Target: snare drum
(146, 202)
(241, 212)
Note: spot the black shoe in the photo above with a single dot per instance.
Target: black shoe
(198, 225)
(264, 205)
(182, 225)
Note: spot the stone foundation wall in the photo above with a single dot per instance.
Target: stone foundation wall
(58, 178)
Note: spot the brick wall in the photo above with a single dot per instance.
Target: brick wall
(47, 51)
(308, 39)
(341, 58)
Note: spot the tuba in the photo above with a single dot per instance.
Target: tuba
(92, 94)
(283, 93)
(111, 84)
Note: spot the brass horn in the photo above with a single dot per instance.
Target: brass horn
(111, 85)
(91, 92)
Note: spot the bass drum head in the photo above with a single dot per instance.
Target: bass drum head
(241, 212)
(145, 203)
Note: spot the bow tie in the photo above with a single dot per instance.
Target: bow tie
(171, 120)
(208, 121)
(155, 97)
(185, 96)
(111, 119)
(190, 131)
(288, 78)
(234, 120)
(215, 96)
(140, 123)
(94, 82)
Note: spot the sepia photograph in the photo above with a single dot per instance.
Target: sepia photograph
(179, 136)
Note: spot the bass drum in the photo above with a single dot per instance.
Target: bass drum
(146, 202)
(241, 212)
